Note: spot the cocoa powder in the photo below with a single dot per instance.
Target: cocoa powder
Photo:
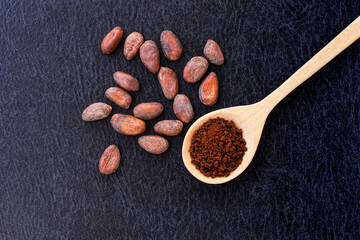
(217, 148)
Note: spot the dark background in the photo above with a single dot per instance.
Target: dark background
(303, 182)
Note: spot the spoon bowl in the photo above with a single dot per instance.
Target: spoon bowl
(251, 134)
(251, 118)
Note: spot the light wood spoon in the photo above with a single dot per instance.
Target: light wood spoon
(251, 118)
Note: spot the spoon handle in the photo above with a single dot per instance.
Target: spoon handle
(344, 39)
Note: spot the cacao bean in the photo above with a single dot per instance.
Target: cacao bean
(169, 82)
(110, 160)
(111, 40)
(169, 127)
(153, 144)
(127, 124)
(183, 109)
(150, 56)
(119, 96)
(195, 69)
(96, 111)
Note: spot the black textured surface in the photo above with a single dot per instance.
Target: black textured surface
(302, 184)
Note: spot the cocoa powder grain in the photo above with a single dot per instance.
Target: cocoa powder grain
(217, 148)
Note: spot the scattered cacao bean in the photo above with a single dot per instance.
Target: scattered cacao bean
(126, 81)
(119, 96)
(153, 144)
(195, 69)
(183, 109)
(213, 53)
(209, 90)
(169, 82)
(148, 111)
(127, 124)
(96, 111)
(170, 45)
(169, 127)
(110, 160)
(132, 45)
(150, 56)
(111, 40)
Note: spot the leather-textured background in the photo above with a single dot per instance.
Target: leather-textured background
(303, 182)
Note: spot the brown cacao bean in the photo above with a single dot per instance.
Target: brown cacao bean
(169, 127)
(126, 81)
(213, 53)
(150, 56)
(119, 96)
(112, 40)
(170, 45)
(110, 160)
(127, 124)
(169, 82)
(209, 90)
(183, 109)
(96, 111)
(154, 144)
(132, 45)
(148, 111)
(195, 69)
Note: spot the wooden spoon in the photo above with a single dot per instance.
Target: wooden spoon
(251, 118)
